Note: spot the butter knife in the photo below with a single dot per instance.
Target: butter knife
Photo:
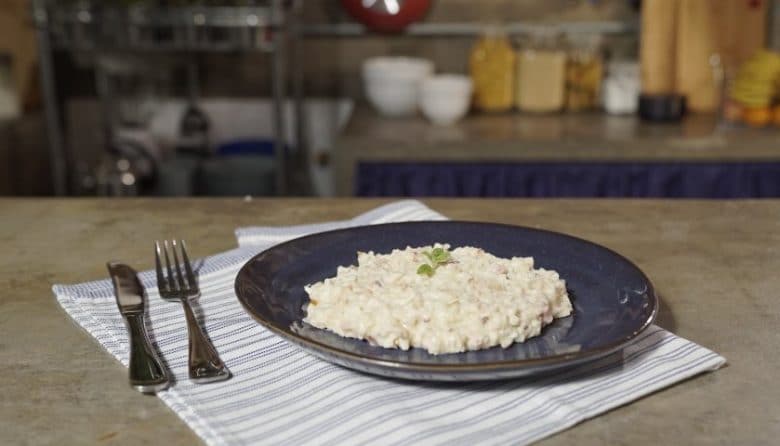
(146, 373)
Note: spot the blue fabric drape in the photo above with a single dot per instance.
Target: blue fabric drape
(582, 179)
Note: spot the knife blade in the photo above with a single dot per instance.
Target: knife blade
(146, 372)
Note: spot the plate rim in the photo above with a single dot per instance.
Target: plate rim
(548, 361)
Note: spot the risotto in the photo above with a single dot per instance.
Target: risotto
(464, 299)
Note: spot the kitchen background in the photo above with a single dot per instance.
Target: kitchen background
(600, 98)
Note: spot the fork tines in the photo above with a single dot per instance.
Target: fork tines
(174, 282)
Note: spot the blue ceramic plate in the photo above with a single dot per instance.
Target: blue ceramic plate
(613, 300)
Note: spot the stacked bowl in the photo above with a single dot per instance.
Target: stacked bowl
(398, 86)
(392, 83)
(445, 98)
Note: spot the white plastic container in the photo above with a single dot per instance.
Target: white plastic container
(621, 88)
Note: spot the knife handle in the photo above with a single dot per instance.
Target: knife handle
(147, 374)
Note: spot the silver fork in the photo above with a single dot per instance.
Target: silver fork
(204, 363)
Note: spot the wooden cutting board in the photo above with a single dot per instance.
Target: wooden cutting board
(741, 29)
(697, 62)
(731, 30)
(680, 37)
(657, 46)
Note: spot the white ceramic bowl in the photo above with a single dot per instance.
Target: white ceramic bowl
(393, 98)
(445, 99)
(392, 83)
(382, 68)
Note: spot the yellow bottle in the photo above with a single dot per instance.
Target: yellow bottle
(492, 66)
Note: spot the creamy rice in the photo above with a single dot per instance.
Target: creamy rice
(475, 301)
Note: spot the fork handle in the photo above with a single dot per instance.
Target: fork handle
(146, 373)
(204, 363)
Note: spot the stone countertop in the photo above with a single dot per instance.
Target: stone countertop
(715, 265)
(517, 137)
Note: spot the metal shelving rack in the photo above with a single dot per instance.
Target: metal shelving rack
(274, 28)
(471, 29)
(93, 27)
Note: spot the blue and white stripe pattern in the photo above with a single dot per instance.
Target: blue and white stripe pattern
(406, 210)
(281, 395)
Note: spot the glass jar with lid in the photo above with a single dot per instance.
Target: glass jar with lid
(492, 70)
(541, 70)
(584, 72)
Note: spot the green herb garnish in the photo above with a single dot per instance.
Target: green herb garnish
(437, 257)
(425, 270)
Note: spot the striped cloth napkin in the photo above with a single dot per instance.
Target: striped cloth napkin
(280, 395)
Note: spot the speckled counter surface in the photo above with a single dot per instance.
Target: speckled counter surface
(515, 137)
(715, 264)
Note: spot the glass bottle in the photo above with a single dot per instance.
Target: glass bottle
(584, 73)
(491, 66)
(541, 69)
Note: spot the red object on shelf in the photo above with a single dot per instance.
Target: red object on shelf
(386, 15)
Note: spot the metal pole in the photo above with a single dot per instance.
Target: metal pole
(105, 94)
(57, 154)
(278, 91)
(193, 83)
(303, 176)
